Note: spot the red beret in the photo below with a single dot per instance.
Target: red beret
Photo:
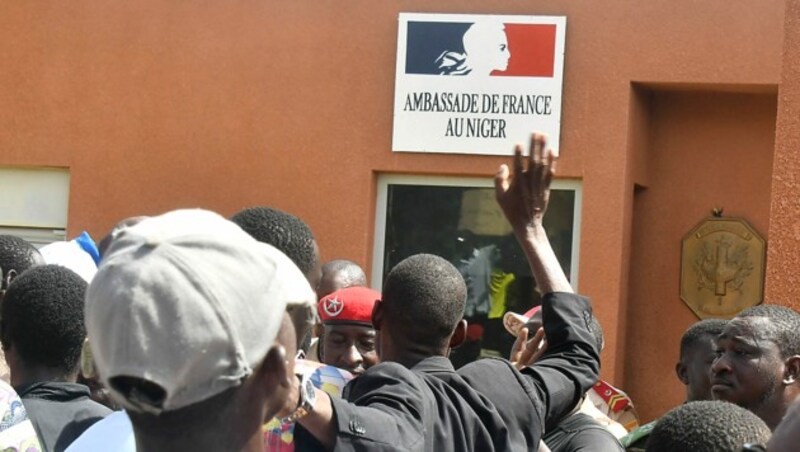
(353, 305)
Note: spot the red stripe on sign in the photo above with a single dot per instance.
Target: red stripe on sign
(533, 50)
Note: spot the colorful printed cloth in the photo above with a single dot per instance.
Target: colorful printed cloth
(280, 437)
(16, 430)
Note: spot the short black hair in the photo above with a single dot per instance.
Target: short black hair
(700, 330)
(783, 328)
(282, 230)
(42, 317)
(424, 297)
(707, 426)
(347, 273)
(348, 269)
(17, 254)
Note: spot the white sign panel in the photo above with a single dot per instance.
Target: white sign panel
(477, 84)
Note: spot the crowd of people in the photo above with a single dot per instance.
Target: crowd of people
(190, 331)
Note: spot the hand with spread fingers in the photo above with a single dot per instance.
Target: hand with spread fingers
(524, 195)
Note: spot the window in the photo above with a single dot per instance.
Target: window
(34, 203)
(458, 219)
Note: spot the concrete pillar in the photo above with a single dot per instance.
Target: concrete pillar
(783, 255)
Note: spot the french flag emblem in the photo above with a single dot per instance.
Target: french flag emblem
(485, 48)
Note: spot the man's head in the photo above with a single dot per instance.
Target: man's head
(758, 361)
(16, 256)
(41, 319)
(347, 338)
(340, 274)
(707, 426)
(697, 353)
(422, 309)
(293, 238)
(187, 315)
(285, 232)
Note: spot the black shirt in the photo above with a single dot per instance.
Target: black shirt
(580, 432)
(484, 406)
(60, 412)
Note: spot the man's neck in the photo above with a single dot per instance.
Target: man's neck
(412, 355)
(24, 375)
(772, 411)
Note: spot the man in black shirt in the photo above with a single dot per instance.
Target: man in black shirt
(41, 319)
(414, 399)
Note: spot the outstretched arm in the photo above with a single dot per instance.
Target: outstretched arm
(570, 363)
(524, 196)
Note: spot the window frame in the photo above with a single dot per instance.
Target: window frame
(381, 209)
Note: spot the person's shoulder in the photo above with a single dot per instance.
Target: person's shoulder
(387, 368)
(492, 372)
(638, 436)
(113, 433)
(386, 376)
(96, 409)
(488, 364)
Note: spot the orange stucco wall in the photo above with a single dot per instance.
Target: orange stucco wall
(155, 105)
(783, 259)
(703, 150)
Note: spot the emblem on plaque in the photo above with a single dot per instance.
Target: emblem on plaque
(722, 267)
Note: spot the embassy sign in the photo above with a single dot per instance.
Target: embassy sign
(476, 84)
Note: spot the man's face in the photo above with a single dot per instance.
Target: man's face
(349, 347)
(287, 339)
(748, 369)
(697, 368)
(501, 54)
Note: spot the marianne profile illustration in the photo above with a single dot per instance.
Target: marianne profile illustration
(480, 48)
(485, 50)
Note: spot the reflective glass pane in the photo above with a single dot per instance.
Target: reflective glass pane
(465, 226)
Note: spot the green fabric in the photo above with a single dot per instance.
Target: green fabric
(640, 433)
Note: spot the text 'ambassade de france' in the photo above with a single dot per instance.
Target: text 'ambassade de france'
(448, 102)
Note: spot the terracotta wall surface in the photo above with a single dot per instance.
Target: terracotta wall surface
(704, 150)
(155, 105)
(783, 258)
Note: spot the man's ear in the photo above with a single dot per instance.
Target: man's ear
(276, 370)
(321, 343)
(681, 372)
(791, 371)
(377, 314)
(459, 334)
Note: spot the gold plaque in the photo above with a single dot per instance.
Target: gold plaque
(722, 268)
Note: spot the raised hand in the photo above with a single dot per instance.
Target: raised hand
(524, 195)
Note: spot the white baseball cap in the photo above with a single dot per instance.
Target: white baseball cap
(190, 302)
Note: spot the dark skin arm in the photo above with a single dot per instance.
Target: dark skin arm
(320, 422)
(524, 196)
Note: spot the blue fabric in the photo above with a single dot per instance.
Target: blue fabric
(87, 244)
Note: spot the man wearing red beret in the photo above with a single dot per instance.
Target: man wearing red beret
(347, 338)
